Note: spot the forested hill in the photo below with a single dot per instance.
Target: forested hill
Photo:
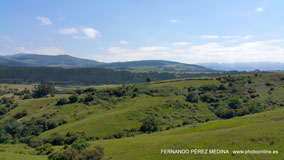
(156, 65)
(8, 62)
(51, 61)
(67, 61)
(84, 76)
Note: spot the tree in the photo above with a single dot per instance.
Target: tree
(89, 98)
(148, 79)
(150, 125)
(21, 114)
(13, 127)
(73, 99)
(235, 103)
(80, 144)
(43, 90)
(64, 154)
(225, 113)
(222, 87)
(192, 97)
(95, 153)
(62, 101)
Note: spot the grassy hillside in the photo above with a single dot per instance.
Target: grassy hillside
(52, 61)
(7, 62)
(155, 65)
(190, 113)
(262, 131)
(258, 131)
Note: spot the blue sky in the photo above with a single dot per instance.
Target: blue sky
(190, 31)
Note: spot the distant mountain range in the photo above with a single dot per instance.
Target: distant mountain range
(23, 59)
(250, 66)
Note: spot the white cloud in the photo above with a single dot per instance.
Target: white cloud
(68, 31)
(123, 42)
(209, 37)
(89, 32)
(244, 52)
(220, 52)
(227, 37)
(117, 50)
(43, 50)
(259, 10)
(180, 43)
(44, 20)
(6, 38)
(247, 37)
(80, 33)
(230, 37)
(152, 49)
(174, 21)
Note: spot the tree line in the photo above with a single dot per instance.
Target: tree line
(86, 76)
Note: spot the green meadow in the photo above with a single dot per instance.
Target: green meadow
(240, 112)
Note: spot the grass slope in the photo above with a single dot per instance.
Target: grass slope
(259, 131)
(166, 100)
(19, 152)
(52, 61)
(156, 65)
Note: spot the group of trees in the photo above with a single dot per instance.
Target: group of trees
(88, 76)
(71, 99)
(79, 150)
(77, 76)
(150, 124)
(230, 98)
(43, 90)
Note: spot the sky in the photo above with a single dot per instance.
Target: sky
(188, 31)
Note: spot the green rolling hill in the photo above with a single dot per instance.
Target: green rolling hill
(52, 61)
(229, 112)
(67, 61)
(8, 62)
(156, 65)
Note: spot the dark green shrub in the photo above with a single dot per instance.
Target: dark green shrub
(150, 125)
(208, 97)
(57, 139)
(35, 142)
(192, 97)
(13, 127)
(222, 87)
(209, 87)
(225, 113)
(95, 153)
(89, 98)
(21, 114)
(242, 111)
(148, 79)
(44, 149)
(70, 137)
(235, 103)
(42, 90)
(80, 144)
(64, 154)
(73, 99)
(2, 111)
(62, 101)
(89, 90)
